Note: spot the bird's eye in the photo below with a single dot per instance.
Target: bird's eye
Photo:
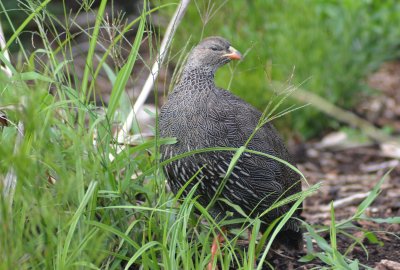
(215, 48)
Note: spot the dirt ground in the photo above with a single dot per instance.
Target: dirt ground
(348, 171)
(347, 176)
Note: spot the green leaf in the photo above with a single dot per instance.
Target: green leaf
(371, 197)
(278, 228)
(126, 70)
(390, 220)
(333, 229)
(121, 157)
(74, 222)
(321, 242)
(372, 238)
(354, 265)
(109, 72)
(31, 75)
(25, 23)
(139, 253)
(307, 258)
(114, 231)
(92, 47)
(325, 258)
(236, 207)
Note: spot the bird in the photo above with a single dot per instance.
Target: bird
(201, 115)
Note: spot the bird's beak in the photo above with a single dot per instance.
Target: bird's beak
(233, 54)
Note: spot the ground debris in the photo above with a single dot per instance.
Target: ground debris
(348, 174)
(387, 265)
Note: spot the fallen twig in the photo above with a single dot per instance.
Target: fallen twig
(351, 200)
(379, 166)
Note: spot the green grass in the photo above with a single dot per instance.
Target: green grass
(74, 208)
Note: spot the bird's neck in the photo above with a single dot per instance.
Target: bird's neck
(198, 76)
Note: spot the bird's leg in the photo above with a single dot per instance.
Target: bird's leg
(218, 240)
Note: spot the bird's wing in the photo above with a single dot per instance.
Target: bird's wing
(256, 177)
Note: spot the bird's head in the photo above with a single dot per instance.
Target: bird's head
(211, 53)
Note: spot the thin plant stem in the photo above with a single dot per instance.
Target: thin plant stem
(165, 44)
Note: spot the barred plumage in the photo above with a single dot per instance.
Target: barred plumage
(201, 115)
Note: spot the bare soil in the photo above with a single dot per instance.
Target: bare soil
(348, 171)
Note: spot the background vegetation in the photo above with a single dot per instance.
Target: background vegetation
(75, 208)
(326, 47)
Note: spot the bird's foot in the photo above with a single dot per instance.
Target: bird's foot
(218, 240)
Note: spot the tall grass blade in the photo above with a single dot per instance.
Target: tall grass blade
(74, 222)
(92, 47)
(333, 231)
(371, 197)
(126, 70)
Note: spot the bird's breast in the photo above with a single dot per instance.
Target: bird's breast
(190, 119)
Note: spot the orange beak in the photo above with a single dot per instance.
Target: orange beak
(233, 54)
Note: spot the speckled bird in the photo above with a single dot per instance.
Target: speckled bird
(201, 115)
